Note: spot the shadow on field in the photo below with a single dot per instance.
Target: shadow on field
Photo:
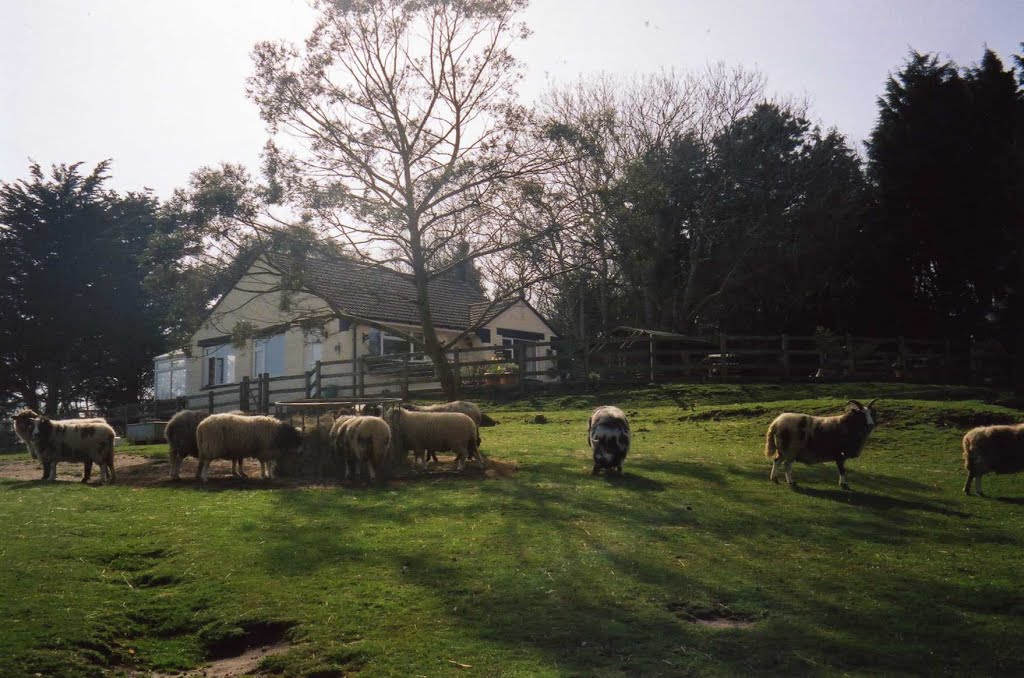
(878, 501)
(1011, 500)
(632, 481)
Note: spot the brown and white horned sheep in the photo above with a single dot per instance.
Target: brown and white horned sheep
(75, 441)
(24, 421)
(423, 431)
(609, 437)
(235, 436)
(362, 442)
(814, 440)
(992, 449)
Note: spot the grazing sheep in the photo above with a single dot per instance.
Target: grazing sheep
(471, 410)
(234, 436)
(609, 438)
(340, 440)
(422, 431)
(180, 434)
(992, 449)
(75, 441)
(814, 440)
(24, 421)
(362, 441)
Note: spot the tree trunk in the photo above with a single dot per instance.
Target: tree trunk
(431, 344)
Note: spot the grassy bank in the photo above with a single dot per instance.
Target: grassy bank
(691, 563)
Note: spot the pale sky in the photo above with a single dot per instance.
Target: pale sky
(158, 86)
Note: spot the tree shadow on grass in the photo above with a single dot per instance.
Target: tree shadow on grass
(878, 501)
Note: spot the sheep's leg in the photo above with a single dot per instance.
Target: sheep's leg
(46, 470)
(110, 472)
(53, 470)
(597, 470)
(263, 469)
(103, 474)
(372, 471)
(967, 485)
(789, 474)
(775, 466)
(86, 471)
(841, 465)
(977, 486)
(173, 458)
(460, 461)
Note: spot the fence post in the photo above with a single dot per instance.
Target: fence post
(521, 361)
(362, 377)
(785, 356)
(405, 377)
(307, 383)
(651, 350)
(243, 395)
(265, 405)
(723, 367)
(209, 395)
(457, 368)
(586, 359)
(319, 379)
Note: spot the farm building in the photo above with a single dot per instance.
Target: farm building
(290, 332)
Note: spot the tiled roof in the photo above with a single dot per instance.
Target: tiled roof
(383, 294)
(477, 312)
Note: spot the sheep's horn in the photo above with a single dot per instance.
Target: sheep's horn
(855, 404)
(872, 403)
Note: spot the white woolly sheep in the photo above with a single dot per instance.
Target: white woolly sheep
(180, 434)
(609, 437)
(992, 449)
(75, 441)
(815, 440)
(235, 436)
(363, 441)
(422, 431)
(25, 420)
(471, 410)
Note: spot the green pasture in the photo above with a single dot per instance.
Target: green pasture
(692, 563)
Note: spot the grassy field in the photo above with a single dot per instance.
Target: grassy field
(692, 563)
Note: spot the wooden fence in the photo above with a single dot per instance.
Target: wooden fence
(609, 362)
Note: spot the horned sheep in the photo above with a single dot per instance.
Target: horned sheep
(992, 449)
(815, 440)
(24, 421)
(362, 441)
(423, 431)
(235, 436)
(609, 437)
(89, 443)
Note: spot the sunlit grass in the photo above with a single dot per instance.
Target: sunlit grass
(552, 572)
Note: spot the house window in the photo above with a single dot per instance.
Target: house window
(314, 351)
(515, 347)
(268, 355)
(218, 365)
(383, 343)
(169, 377)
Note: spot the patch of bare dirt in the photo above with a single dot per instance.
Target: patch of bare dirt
(715, 616)
(137, 471)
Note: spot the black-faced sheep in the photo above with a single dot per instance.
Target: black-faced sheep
(234, 436)
(363, 442)
(814, 440)
(25, 420)
(992, 449)
(609, 437)
(422, 431)
(80, 441)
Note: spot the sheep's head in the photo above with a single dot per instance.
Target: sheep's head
(287, 438)
(42, 430)
(24, 422)
(870, 416)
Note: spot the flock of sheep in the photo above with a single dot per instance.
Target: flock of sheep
(368, 439)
